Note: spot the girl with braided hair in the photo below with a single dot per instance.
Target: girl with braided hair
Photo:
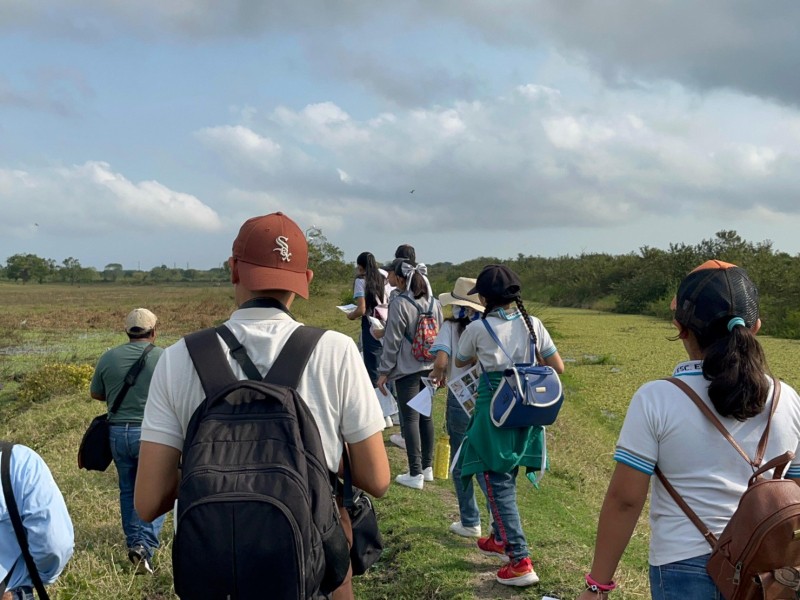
(492, 454)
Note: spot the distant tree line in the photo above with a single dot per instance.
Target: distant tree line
(645, 282)
(640, 282)
(325, 259)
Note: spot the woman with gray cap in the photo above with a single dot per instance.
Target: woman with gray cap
(717, 317)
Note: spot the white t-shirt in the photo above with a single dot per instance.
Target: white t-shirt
(510, 329)
(447, 342)
(664, 427)
(335, 383)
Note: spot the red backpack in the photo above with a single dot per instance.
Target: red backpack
(424, 333)
(757, 556)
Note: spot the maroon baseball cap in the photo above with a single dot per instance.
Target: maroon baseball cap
(272, 254)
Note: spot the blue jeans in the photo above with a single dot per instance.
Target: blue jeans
(22, 593)
(457, 421)
(683, 580)
(417, 429)
(371, 349)
(501, 494)
(125, 450)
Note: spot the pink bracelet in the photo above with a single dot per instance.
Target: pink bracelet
(599, 587)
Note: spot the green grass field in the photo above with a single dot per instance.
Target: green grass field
(607, 357)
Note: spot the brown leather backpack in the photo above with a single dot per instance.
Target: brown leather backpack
(757, 556)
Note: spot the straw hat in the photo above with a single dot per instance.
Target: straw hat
(460, 295)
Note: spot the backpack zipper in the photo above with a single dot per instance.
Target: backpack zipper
(752, 547)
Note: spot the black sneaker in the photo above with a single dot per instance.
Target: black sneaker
(138, 556)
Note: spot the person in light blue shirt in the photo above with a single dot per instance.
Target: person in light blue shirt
(46, 521)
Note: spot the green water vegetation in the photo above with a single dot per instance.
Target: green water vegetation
(608, 356)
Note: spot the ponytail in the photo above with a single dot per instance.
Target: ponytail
(735, 364)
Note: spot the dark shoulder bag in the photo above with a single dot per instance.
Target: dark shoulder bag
(94, 453)
(367, 542)
(16, 521)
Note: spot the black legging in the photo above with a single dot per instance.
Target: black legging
(372, 349)
(417, 428)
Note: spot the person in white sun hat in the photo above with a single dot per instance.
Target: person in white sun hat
(466, 307)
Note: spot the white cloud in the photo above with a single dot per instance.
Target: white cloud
(93, 199)
(537, 163)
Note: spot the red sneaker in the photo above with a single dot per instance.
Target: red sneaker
(519, 573)
(491, 547)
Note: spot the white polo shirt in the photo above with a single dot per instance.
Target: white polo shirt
(664, 427)
(335, 383)
(510, 329)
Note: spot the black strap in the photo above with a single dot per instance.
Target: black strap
(130, 379)
(16, 520)
(215, 372)
(209, 361)
(347, 491)
(239, 353)
(266, 303)
(291, 362)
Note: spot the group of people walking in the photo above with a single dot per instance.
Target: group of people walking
(167, 422)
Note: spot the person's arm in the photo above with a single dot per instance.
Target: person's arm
(157, 480)
(359, 311)
(43, 512)
(464, 363)
(97, 388)
(554, 360)
(622, 506)
(439, 372)
(369, 465)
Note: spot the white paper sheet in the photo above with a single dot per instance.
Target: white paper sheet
(347, 308)
(388, 404)
(375, 324)
(422, 402)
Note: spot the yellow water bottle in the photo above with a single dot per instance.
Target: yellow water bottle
(441, 458)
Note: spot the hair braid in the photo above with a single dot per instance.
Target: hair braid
(529, 325)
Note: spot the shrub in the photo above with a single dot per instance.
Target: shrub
(53, 379)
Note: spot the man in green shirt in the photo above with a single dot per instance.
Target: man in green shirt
(125, 424)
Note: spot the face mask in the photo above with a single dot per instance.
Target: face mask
(460, 312)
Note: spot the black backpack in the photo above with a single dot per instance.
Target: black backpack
(256, 513)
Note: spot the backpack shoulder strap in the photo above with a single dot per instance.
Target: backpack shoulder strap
(239, 353)
(707, 533)
(209, 360)
(291, 362)
(130, 378)
(414, 302)
(496, 339)
(762, 443)
(16, 520)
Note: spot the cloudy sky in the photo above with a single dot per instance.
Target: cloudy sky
(144, 133)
